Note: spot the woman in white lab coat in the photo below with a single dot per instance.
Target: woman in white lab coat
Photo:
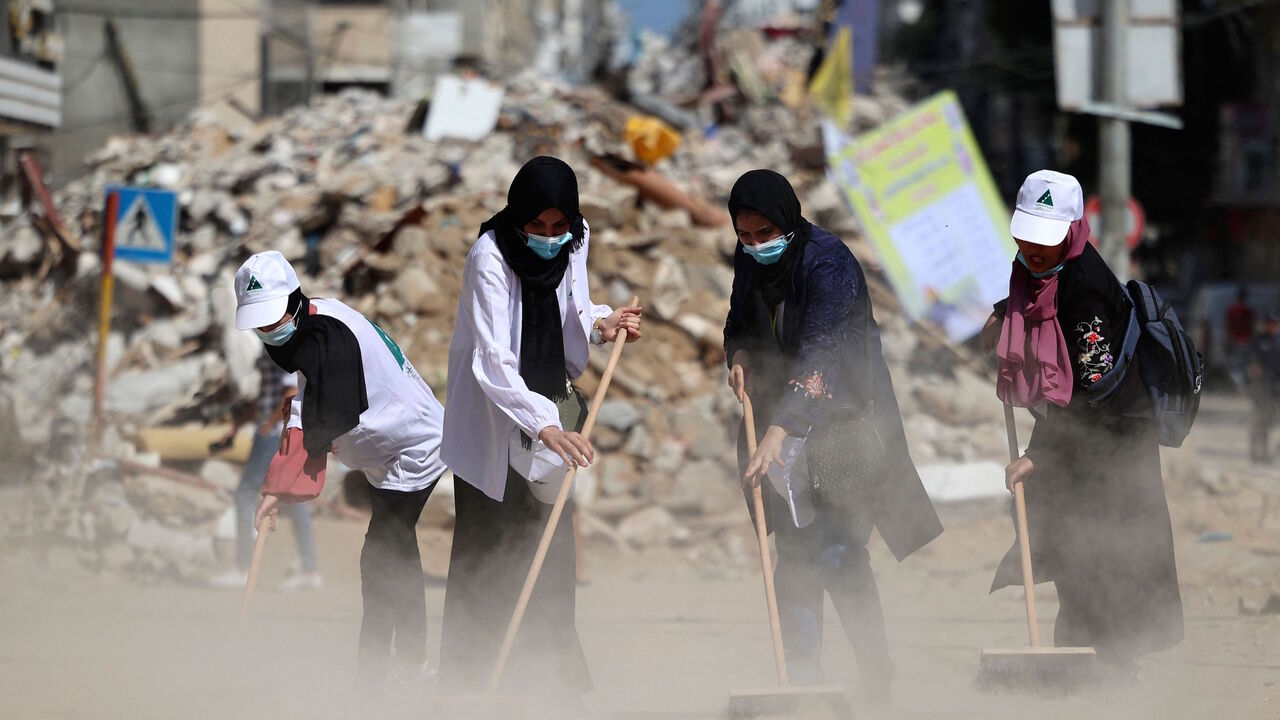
(524, 328)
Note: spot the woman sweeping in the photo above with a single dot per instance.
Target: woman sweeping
(524, 329)
(360, 398)
(1099, 523)
(801, 340)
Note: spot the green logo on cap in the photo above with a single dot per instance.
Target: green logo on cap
(1046, 199)
(253, 284)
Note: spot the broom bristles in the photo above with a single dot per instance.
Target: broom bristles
(1045, 670)
(826, 703)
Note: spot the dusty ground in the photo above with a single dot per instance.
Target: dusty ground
(663, 641)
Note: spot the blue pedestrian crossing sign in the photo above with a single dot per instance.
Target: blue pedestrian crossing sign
(145, 223)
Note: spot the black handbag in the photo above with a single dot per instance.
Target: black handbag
(846, 456)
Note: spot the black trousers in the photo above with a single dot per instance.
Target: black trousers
(395, 603)
(493, 547)
(830, 554)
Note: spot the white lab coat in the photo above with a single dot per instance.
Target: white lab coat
(486, 397)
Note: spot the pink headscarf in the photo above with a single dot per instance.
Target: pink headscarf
(1034, 361)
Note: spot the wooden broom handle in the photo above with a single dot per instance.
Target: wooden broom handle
(1024, 542)
(252, 581)
(762, 535)
(562, 497)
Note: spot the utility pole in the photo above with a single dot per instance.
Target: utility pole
(1114, 139)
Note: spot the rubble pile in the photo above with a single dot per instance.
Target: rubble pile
(119, 516)
(373, 213)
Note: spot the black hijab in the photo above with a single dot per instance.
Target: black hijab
(544, 182)
(327, 354)
(769, 194)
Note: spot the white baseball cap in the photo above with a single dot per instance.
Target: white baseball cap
(263, 285)
(1048, 202)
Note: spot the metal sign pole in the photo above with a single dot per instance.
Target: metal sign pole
(1114, 140)
(104, 317)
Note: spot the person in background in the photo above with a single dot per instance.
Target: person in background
(1264, 388)
(1240, 327)
(1097, 514)
(276, 390)
(360, 398)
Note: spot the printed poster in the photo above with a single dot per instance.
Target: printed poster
(926, 201)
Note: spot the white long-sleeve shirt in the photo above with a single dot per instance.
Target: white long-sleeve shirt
(397, 443)
(487, 398)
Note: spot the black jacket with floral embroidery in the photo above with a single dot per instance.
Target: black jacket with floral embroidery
(1098, 521)
(1094, 313)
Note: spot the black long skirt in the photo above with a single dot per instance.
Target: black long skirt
(1100, 530)
(493, 548)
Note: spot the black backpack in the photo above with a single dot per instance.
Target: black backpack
(1172, 370)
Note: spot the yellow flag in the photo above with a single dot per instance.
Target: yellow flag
(832, 85)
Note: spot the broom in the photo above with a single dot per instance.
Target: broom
(1033, 667)
(252, 581)
(785, 699)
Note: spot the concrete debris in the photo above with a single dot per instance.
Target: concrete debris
(416, 290)
(639, 443)
(166, 550)
(117, 557)
(963, 400)
(141, 392)
(174, 504)
(651, 527)
(670, 287)
(618, 475)
(220, 473)
(670, 457)
(620, 415)
(704, 487)
(959, 482)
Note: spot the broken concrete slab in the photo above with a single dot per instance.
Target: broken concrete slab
(653, 526)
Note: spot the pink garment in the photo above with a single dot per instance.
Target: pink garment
(1034, 361)
(294, 475)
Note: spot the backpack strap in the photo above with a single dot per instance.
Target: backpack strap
(1147, 306)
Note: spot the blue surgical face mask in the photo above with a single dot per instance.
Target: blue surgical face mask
(547, 247)
(768, 253)
(278, 336)
(1035, 274)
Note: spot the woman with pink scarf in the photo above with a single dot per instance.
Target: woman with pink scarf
(1099, 523)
